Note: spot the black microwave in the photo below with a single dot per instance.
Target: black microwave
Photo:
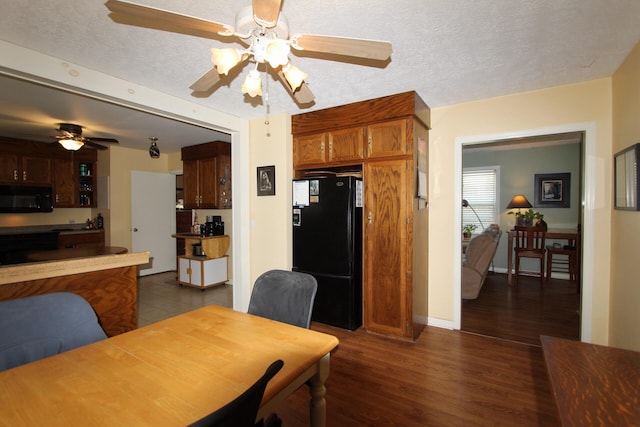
(25, 198)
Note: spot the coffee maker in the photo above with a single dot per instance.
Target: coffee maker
(213, 227)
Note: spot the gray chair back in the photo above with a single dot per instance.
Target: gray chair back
(285, 296)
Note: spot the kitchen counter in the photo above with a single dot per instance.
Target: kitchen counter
(55, 228)
(107, 282)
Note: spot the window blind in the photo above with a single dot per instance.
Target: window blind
(480, 190)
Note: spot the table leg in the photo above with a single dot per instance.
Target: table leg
(509, 258)
(317, 390)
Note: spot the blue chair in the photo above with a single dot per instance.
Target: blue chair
(36, 327)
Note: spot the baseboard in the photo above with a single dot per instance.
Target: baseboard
(440, 323)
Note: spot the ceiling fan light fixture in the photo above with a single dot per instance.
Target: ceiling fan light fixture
(294, 76)
(277, 52)
(71, 144)
(252, 84)
(225, 59)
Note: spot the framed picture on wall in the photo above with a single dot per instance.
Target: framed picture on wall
(552, 190)
(626, 174)
(266, 181)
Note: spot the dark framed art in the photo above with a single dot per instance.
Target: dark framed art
(626, 174)
(552, 190)
(266, 181)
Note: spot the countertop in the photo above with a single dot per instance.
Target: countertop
(53, 228)
(48, 269)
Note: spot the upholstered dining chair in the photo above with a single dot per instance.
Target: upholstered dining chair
(530, 243)
(35, 327)
(242, 411)
(285, 296)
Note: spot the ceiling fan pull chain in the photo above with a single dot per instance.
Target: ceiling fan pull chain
(266, 100)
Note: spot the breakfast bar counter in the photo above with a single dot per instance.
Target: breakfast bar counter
(108, 282)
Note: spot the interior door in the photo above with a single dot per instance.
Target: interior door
(153, 219)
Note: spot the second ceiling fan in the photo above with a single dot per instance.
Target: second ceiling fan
(262, 28)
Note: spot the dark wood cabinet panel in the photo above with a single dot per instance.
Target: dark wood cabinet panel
(207, 176)
(64, 184)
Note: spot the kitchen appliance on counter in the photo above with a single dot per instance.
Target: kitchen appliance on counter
(25, 199)
(327, 243)
(213, 227)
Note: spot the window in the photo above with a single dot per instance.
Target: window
(480, 190)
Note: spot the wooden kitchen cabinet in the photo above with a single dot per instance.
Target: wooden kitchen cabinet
(387, 268)
(388, 139)
(328, 148)
(65, 190)
(207, 176)
(36, 163)
(24, 169)
(394, 266)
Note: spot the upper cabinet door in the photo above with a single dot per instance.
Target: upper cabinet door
(36, 170)
(64, 184)
(207, 176)
(388, 139)
(190, 183)
(309, 150)
(9, 170)
(346, 144)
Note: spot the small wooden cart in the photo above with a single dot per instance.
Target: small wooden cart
(207, 270)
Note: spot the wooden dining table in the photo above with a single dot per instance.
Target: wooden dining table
(169, 373)
(552, 234)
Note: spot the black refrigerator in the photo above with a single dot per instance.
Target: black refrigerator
(327, 243)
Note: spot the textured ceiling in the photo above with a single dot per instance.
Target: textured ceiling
(448, 51)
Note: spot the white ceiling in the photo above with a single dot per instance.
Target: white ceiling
(448, 51)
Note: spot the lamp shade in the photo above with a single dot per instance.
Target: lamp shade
(519, 201)
(71, 144)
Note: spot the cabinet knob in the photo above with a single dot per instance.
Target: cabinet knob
(24, 175)
(135, 229)
(369, 217)
(15, 174)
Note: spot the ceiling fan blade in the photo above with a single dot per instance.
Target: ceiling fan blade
(124, 11)
(266, 12)
(361, 48)
(103, 140)
(206, 81)
(302, 95)
(94, 145)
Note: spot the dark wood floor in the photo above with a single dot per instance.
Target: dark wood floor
(446, 378)
(525, 312)
(492, 374)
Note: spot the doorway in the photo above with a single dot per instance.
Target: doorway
(584, 190)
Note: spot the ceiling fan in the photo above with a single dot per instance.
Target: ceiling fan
(264, 30)
(71, 138)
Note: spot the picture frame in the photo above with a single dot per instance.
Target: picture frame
(626, 187)
(266, 180)
(552, 190)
